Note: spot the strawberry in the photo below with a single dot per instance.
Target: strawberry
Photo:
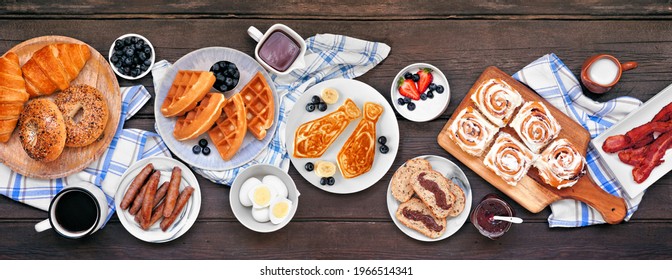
(426, 78)
(407, 88)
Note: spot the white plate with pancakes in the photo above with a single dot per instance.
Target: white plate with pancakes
(202, 60)
(452, 172)
(183, 222)
(387, 126)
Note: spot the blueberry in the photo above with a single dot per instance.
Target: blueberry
(228, 82)
(134, 40)
(411, 106)
(118, 44)
(382, 140)
(310, 107)
(138, 47)
(128, 61)
(206, 151)
(202, 142)
(215, 67)
(118, 64)
(315, 99)
(331, 181)
(309, 166)
(432, 86)
(142, 56)
(119, 53)
(144, 67)
(129, 52)
(322, 106)
(439, 89)
(236, 75)
(196, 149)
(401, 101)
(430, 94)
(141, 42)
(415, 77)
(147, 50)
(114, 59)
(232, 67)
(135, 72)
(235, 82)
(127, 41)
(323, 181)
(136, 60)
(407, 100)
(423, 96)
(408, 75)
(384, 149)
(127, 70)
(147, 62)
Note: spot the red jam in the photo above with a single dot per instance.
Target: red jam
(279, 51)
(491, 206)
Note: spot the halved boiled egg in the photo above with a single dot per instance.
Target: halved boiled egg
(279, 210)
(260, 215)
(275, 182)
(245, 189)
(262, 195)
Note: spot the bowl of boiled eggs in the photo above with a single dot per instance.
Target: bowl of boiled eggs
(263, 198)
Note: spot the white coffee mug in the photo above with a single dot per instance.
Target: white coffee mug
(284, 64)
(76, 211)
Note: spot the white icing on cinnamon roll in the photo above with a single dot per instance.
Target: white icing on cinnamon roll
(535, 125)
(471, 131)
(497, 100)
(509, 159)
(561, 165)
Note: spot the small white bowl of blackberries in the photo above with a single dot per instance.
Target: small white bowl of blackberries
(131, 56)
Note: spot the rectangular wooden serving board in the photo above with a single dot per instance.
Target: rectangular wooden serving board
(530, 193)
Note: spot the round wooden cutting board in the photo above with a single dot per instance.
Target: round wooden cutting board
(97, 73)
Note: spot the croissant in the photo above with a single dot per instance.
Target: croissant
(12, 94)
(53, 67)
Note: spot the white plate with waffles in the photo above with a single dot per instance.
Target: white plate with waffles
(202, 60)
(452, 172)
(186, 219)
(387, 126)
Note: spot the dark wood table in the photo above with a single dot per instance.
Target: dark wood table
(461, 39)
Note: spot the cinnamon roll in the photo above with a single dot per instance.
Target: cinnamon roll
(471, 131)
(509, 158)
(561, 165)
(497, 100)
(535, 125)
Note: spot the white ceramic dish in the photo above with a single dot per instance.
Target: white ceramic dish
(182, 224)
(244, 214)
(622, 171)
(116, 71)
(202, 59)
(451, 171)
(387, 126)
(425, 110)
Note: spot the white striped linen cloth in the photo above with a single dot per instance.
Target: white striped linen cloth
(552, 80)
(127, 147)
(328, 56)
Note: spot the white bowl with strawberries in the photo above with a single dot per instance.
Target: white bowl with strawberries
(420, 92)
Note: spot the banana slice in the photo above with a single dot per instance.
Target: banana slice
(325, 169)
(329, 95)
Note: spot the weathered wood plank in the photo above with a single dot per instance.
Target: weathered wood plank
(345, 240)
(349, 9)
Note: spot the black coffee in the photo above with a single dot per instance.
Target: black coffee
(76, 211)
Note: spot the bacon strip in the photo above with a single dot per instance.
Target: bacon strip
(664, 115)
(617, 143)
(633, 156)
(653, 158)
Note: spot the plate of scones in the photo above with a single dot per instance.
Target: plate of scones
(427, 198)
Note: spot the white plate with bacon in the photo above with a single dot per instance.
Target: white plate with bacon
(642, 149)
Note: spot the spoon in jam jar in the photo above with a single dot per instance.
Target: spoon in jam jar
(514, 220)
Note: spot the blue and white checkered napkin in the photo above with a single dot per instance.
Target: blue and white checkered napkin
(127, 147)
(328, 57)
(551, 79)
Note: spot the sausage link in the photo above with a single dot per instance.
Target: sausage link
(173, 191)
(137, 202)
(135, 186)
(181, 202)
(150, 192)
(156, 215)
(160, 193)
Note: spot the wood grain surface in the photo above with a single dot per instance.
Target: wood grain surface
(532, 193)
(461, 39)
(96, 73)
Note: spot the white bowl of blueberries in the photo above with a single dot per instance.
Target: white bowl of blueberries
(131, 56)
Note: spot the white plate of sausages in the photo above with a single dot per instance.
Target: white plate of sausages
(174, 205)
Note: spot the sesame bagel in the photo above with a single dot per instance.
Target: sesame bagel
(84, 130)
(42, 130)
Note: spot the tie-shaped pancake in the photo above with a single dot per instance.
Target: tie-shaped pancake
(313, 138)
(356, 156)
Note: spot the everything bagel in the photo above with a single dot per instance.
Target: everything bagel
(86, 129)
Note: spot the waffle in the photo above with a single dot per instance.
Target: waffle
(356, 156)
(229, 130)
(201, 118)
(258, 99)
(313, 138)
(188, 88)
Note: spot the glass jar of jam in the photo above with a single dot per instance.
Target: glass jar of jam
(482, 216)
